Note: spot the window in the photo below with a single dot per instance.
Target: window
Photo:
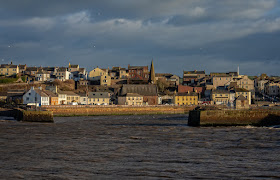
(27, 99)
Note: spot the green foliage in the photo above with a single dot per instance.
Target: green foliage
(23, 78)
(7, 80)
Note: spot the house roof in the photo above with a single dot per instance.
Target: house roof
(50, 94)
(241, 90)
(68, 93)
(194, 72)
(137, 67)
(31, 69)
(133, 95)
(144, 90)
(8, 66)
(62, 69)
(220, 91)
(42, 72)
(41, 93)
(187, 94)
(98, 95)
(73, 66)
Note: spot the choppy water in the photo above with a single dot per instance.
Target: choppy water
(140, 147)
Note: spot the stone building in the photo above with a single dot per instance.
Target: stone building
(149, 92)
(130, 99)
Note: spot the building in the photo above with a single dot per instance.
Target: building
(15, 95)
(244, 92)
(138, 72)
(42, 75)
(221, 97)
(193, 77)
(36, 97)
(185, 88)
(171, 79)
(130, 99)
(31, 71)
(99, 77)
(118, 73)
(73, 68)
(53, 98)
(149, 92)
(62, 74)
(242, 103)
(9, 69)
(99, 98)
(272, 88)
(83, 100)
(190, 98)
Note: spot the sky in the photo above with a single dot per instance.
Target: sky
(178, 35)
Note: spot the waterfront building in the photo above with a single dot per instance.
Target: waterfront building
(241, 102)
(244, 92)
(99, 98)
(130, 99)
(149, 92)
(36, 97)
(189, 98)
(221, 96)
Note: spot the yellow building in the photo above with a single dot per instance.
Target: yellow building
(100, 76)
(220, 96)
(99, 98)
(244, 92)
(9, 69)
(190, 98)
(97, 72)
(130, 99)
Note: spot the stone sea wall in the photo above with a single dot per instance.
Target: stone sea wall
(116, 110)
(256, 117)
(33, 116)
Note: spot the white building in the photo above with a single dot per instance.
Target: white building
(35, 97)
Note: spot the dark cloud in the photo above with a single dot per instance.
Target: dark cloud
(179, 35)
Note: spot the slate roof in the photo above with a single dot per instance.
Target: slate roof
(133, 95)
(68, 93)
(187, 94)
(31, 69)
(241, 90)
(8, 66)
(144, 90)
(41, 93)
(98, 95)
(220, 91)
(137, 67)
(194, 72)
(50, 94)
(73, 66)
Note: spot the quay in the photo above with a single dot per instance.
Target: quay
(255, 117)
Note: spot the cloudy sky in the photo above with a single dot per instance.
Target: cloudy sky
(210, 35)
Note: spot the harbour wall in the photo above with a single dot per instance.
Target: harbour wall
(116, 110)
(257, 117)
(33, 116)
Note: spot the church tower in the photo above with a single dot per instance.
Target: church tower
(152, 78)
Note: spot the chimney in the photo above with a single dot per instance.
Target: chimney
(32, 88)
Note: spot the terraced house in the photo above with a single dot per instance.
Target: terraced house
(9, 69)
(189, 98)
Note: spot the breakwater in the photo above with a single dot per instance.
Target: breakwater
(255, 117)
(116, 110)
(32, 116)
